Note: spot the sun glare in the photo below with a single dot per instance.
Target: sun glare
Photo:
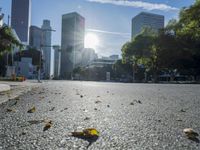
(91, 40)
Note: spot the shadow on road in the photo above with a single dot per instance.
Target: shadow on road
(195, 140)
(90, 140)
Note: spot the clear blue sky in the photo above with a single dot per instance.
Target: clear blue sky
(113, 17)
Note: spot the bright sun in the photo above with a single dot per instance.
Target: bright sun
(91, 40)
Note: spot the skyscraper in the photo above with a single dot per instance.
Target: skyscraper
(57, 56)
(46, 47)
(145, 19)
(72, 43)
(20, 18)
(35, 37)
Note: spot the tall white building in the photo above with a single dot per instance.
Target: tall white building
(57, 56)
(145, 19)
(46, 47)
(72, 43)
(20, 18)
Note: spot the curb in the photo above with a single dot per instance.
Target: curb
(4, 88)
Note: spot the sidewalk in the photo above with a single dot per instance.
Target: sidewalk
(11, 90)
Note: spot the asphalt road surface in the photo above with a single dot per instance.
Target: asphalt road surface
(128, 116)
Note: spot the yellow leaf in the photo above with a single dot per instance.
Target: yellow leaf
(90, 132)
(86, 133)
(32, 110)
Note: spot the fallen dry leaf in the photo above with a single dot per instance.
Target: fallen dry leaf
(179, 120)
(138, 101)
(10, 110)
(182, 110)
(190, 133)
(17, 98)
(97, 102)
(77, 134)
(32, 110)
(52, 109)
(47, 125)
(87, 118)
(86, 133)
(91, 132)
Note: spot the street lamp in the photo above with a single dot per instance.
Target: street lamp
(42, 45)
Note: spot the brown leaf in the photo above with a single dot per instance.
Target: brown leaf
(86, 133)
(47, 125)
(32, 110)
(10, 110)
(97, 102)
(190, 133)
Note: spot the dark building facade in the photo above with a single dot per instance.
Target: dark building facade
(35, 37)
(20, 18)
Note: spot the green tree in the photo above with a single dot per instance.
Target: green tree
(189, 21)
(188, 34)
(142, 50)
(7, 40)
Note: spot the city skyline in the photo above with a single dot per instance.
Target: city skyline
(113, 29)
